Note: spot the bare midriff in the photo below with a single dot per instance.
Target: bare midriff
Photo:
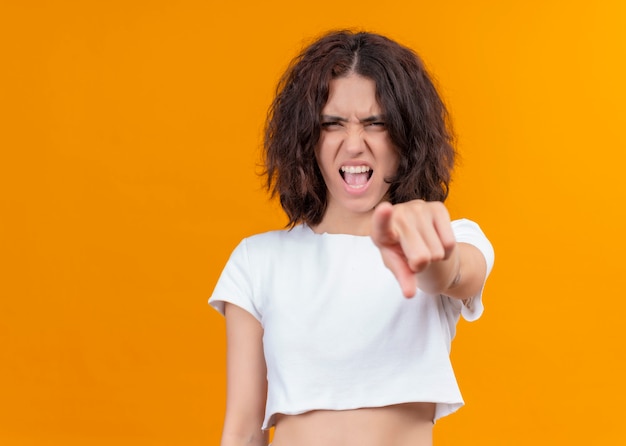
(408, 424)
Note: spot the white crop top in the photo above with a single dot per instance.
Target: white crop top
(338, 333)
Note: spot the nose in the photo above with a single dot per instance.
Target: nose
(355, 141)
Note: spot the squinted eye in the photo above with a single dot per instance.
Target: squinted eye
(330, 124)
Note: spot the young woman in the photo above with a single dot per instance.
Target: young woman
(339, 327)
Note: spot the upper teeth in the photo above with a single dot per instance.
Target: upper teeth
(355, 169)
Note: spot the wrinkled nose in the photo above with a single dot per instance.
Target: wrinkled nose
(355, 142)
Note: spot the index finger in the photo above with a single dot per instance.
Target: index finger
(381, 232)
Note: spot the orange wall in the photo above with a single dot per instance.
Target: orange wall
(129, 135)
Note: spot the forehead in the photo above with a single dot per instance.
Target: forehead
(353, 94)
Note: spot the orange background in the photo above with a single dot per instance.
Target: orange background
(129, 137)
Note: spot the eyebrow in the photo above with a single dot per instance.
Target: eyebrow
(373, 118)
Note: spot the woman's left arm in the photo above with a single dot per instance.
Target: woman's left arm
(417, 244)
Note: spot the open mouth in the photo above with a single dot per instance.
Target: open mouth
(356, 176)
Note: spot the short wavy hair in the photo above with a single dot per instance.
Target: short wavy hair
(416, 118)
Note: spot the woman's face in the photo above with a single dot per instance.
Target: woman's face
(355, 153)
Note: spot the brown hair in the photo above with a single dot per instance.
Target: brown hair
(415, 116)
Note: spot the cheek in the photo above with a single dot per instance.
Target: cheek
(324, 153)
(320, 152)
(322, 163)
(391, 157)
(393, 154)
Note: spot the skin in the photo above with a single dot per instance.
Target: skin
(416, 243)
(353, 134)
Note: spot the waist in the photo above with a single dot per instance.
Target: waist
(407, 424)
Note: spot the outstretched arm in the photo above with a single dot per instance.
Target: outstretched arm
(417, 244)
(246, 388)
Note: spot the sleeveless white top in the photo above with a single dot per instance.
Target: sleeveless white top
(338, 333)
